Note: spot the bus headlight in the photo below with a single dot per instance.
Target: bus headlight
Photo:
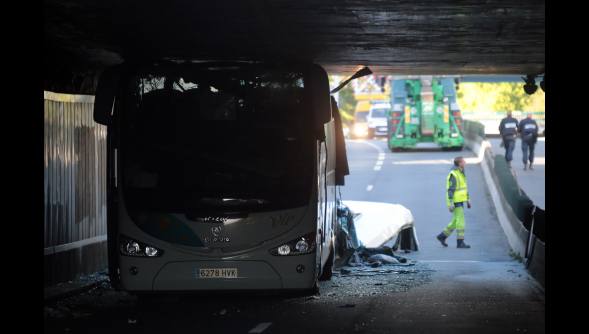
(302, 246)
(284, 250)
(130, 247)
(299, 246)
(454, 135)
(151, 251)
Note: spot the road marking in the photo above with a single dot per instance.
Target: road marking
(260, 327)
(379, 163)
(369, 187)
(381, 156)
(378, 148)
(378, 167)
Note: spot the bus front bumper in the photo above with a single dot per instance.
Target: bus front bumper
(270, 273)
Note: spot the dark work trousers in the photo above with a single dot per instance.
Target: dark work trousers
(525, 147)
(509, 147)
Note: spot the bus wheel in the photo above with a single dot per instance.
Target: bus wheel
(327, 271)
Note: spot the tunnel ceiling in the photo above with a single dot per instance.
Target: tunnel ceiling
(405, 37)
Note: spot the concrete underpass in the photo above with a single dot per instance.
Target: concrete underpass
(496, 286)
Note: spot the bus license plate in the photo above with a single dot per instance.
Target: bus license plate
(218, 273)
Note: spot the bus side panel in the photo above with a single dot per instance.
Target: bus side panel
(321, 209)
(328, 176)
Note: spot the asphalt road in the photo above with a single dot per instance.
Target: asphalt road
(448, 290)
(531, 181)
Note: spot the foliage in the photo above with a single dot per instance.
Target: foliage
(494, 97)
(347, 103)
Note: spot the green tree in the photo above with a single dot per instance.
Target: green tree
(347, 103)
(511, 96)
(496, 97)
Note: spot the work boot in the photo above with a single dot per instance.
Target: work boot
(442, 238)
(526, 165)
(460, 244)
(531, 167)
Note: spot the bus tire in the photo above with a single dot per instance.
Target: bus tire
(327, 271)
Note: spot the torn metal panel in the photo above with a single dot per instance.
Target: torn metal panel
(378, 223)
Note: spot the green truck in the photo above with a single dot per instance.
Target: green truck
(424, 114)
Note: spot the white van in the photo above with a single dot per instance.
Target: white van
(377, 119)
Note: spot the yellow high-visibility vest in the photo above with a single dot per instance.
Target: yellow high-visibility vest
(461, 192)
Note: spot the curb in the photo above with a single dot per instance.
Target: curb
(502, 208)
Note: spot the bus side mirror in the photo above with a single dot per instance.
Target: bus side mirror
(341, 160)
(318, 84)
(104, 98)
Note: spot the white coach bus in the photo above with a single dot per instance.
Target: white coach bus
(221, 176)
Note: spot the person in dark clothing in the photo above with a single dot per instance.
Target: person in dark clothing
(528, 129)
(508, 129)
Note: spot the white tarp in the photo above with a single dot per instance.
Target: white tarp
(377, 223)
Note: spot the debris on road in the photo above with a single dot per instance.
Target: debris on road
(364, 237)
(383, 258)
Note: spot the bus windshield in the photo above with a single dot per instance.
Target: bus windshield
(216, 141)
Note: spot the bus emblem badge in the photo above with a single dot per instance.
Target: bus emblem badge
(217, 235)
(216, 231)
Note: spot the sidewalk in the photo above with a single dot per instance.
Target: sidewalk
(531, 181)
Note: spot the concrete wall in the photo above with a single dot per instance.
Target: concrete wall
(513, 222)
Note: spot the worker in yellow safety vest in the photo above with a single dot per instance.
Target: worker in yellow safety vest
(456, 197)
